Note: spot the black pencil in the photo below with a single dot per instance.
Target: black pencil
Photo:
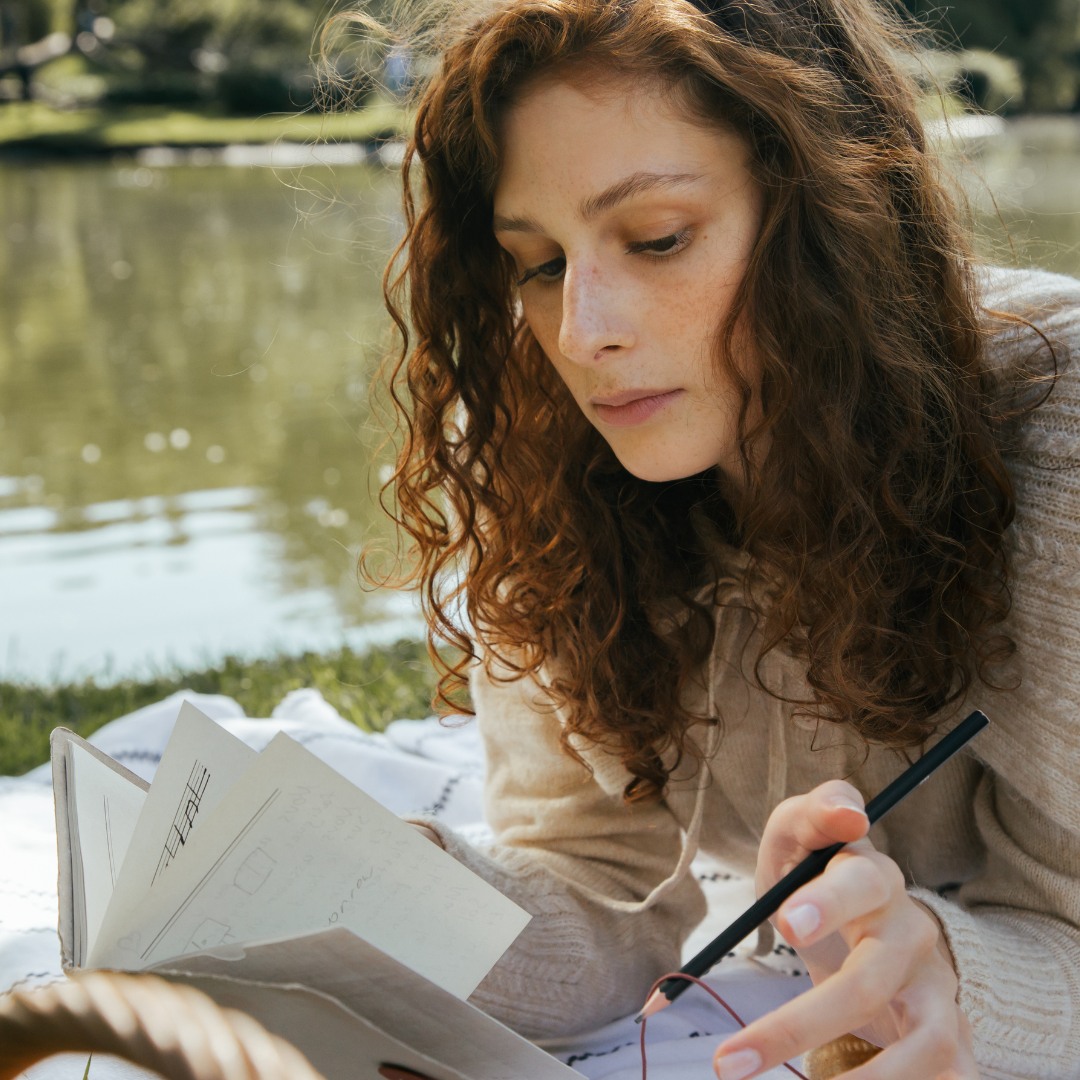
(811, 866)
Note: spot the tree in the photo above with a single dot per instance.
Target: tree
(33, 33)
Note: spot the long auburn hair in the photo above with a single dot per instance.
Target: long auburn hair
(875, 520)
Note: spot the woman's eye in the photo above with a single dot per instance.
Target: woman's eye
(664, 245)
(549, 271)
(661, 247)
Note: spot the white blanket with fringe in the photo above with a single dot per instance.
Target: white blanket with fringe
(416, 766)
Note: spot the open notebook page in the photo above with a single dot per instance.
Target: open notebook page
(294, 847)
(200, 763)
(102, 813)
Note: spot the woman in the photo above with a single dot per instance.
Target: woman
(709, 420)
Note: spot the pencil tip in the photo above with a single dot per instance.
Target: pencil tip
(657, 1001)
(639, 1018)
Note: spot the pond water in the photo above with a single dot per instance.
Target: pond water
(188, 455)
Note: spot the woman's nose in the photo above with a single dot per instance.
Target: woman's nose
(595, 315)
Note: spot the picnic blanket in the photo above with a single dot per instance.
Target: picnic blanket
(415, 766)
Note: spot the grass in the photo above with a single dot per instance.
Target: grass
(370, 689)
(33, 125)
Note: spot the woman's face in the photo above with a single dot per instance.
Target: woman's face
(630, 227)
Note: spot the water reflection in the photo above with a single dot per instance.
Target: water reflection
(186, 444)
(186, 437)
(1023, 185)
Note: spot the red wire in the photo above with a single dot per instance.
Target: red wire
(713, 994)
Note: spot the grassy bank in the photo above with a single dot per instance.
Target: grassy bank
(36, 127)
(370, 689)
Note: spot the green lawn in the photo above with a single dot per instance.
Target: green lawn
(34, 125)
(370, 689)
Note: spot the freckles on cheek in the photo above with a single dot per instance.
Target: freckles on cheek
(547, 337)
(544, 327)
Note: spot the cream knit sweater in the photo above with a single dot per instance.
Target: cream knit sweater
(991, 843)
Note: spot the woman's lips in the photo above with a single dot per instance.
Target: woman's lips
(632, 406)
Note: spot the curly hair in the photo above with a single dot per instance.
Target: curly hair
(874, 520)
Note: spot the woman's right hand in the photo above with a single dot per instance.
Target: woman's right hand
(879, 964)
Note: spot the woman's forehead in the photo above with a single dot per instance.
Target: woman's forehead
(553, 107)
(561, 140)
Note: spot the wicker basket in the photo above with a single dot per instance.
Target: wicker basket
(837, 1057)
(175, 1031)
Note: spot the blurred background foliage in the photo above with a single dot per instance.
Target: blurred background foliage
(241, 56)
(1041, 37)
(254, 56)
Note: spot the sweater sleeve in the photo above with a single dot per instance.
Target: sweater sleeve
(580, 861)
(1015, 941)
(1014, 929)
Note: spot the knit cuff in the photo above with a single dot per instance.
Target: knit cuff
(1014, 977)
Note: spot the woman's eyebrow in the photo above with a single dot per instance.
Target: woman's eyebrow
(632, 185)
(608, 199)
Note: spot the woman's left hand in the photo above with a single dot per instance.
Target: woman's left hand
(879, 964)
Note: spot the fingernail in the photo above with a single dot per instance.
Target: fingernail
(803, 920)
(845, 802)
(738, 1066)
